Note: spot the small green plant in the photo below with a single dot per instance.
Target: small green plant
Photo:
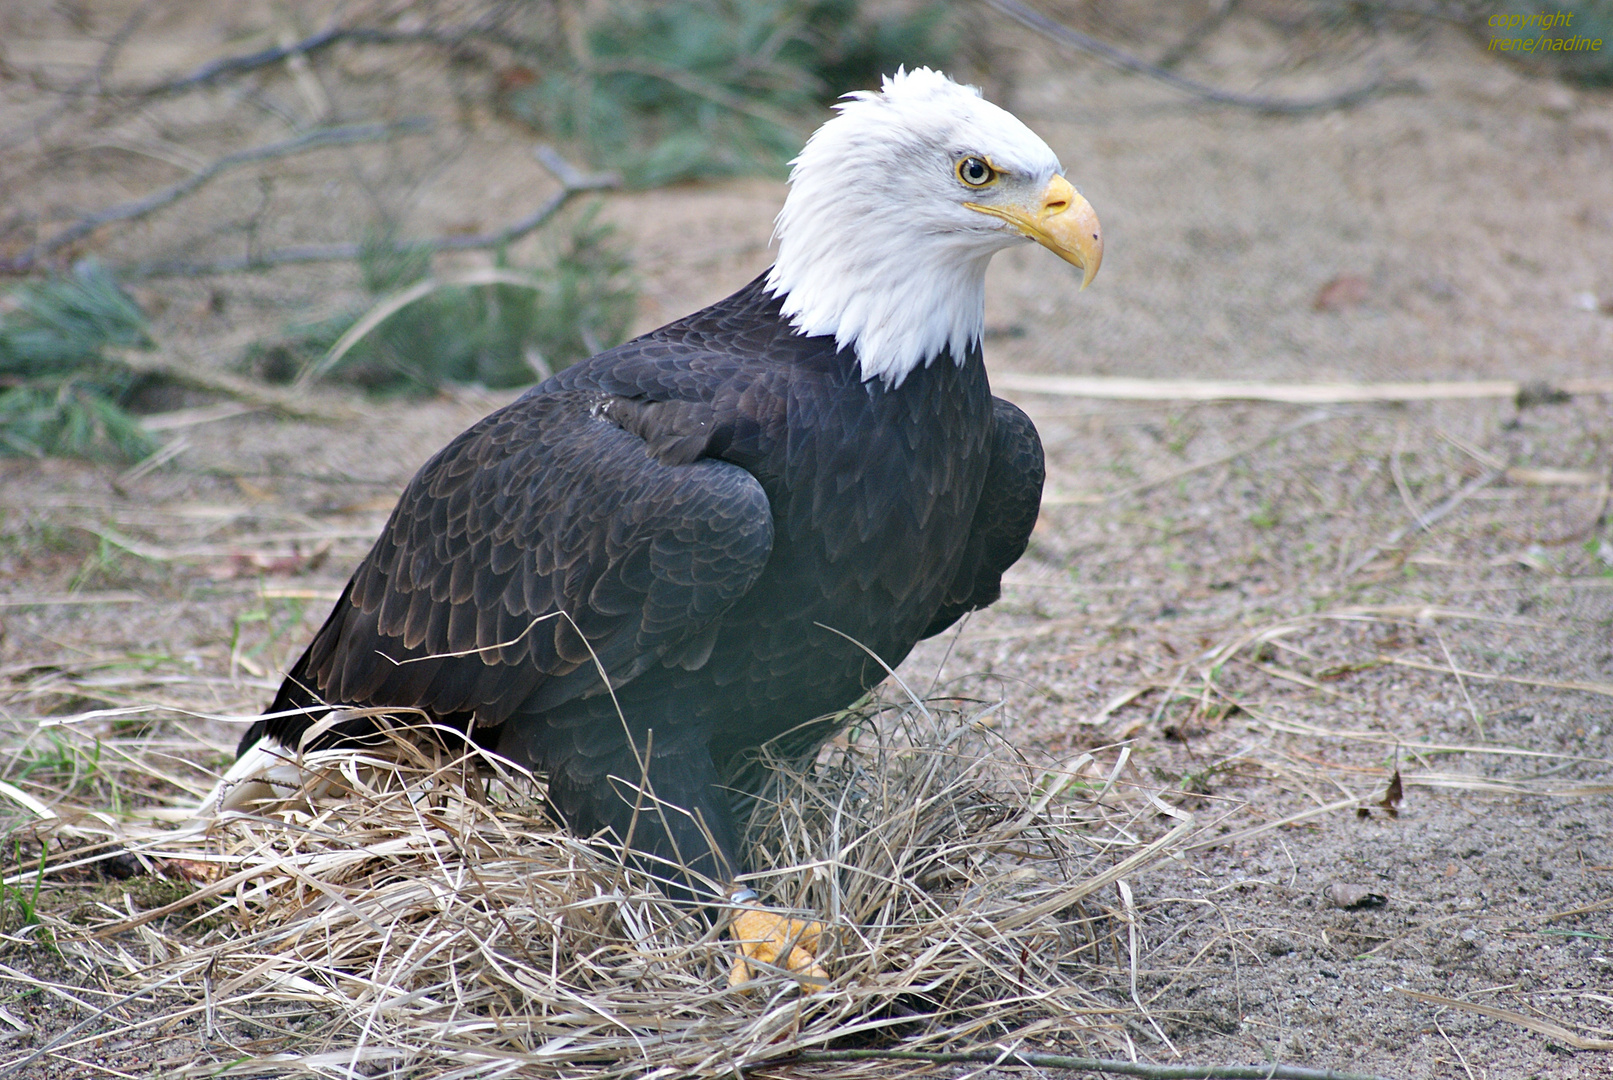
(693, 89)
(60, 763)
(22, 898)
(98, 566)
(279, 618)
(532, 321)
(60, 393)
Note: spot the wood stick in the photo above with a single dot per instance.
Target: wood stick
(1533, 1023)
(230, 66)
(1122, 388)
(1011, 1058)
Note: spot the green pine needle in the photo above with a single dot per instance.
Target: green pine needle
(60, 394)
(697, 89)
(580, 301)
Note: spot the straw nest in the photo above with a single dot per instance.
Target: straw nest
(419, 912)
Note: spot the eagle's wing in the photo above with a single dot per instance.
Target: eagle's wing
(1004, 517)
(542, 545)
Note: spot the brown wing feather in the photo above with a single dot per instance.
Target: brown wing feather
(542, 544)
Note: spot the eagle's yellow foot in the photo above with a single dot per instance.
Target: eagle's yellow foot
(768, 938)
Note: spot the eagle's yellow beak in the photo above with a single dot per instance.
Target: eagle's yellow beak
(1062, 221)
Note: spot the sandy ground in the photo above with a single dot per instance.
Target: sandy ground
(1238, 592)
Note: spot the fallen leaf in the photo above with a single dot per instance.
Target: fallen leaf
(1344, 291)
(256, 563)
(1392, 798)
(197, 873)
(255, 492)
(515, 77)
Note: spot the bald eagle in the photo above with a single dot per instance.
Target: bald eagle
(671, 553)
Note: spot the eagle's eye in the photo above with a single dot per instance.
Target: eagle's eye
(976, 172)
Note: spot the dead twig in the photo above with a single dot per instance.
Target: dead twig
(1472, 709)
(702, 88)
(317, 139)
(1582, 686)
(229, 66)
(391, 305)
(72, 599)
(1532, 1023)
(95, 1017)
(1309, 420)
(1197, 34)
(1397, 471)
(93, 80)
(1565, 476)
(1425, 521)
(1006, 1057)
(1125, 61)
(573, 182)
(1123, 388)
(196, 376)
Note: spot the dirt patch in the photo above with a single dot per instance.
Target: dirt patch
(1240, 594)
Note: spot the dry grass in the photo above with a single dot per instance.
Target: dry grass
(415, 909)
(432, 920)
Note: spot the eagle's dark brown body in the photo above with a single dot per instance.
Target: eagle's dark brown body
(731, 521)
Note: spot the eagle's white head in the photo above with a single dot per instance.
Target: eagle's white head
(897, 204)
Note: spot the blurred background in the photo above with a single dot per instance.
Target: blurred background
(1289, 186)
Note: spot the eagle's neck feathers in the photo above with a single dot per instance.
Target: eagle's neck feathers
(898, 306)
(876, 245)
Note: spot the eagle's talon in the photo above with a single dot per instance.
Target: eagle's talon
(768, 938)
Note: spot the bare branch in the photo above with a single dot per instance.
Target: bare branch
(238, 65)
(1129, 388)
(130, 211)
(93, 80)
(573, 182)
(230, 66)
(1125, 61)
(1010, 1058)
(1195, 37)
